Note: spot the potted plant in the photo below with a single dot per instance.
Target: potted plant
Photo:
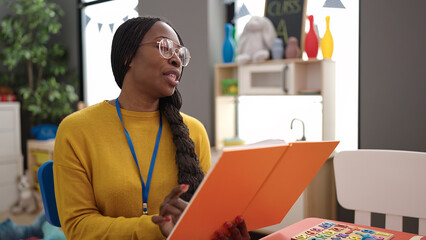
(36, 65)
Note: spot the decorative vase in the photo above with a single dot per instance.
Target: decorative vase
(292, 50)
(327, 44)
(277, 49)
(228, 47)
(311, 40)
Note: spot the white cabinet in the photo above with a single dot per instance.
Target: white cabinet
(10, 153)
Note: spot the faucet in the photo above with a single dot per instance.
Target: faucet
(303, 127)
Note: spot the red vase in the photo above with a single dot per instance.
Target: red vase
(311, 40)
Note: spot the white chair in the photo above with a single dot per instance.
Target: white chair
(382, 181)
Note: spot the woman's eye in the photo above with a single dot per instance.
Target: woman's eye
(164, 48)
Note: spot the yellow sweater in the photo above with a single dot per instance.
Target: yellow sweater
(97, 184)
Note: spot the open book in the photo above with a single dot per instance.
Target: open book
(259, 182)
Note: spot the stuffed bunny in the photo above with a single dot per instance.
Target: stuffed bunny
(28, 199)
(256, 40)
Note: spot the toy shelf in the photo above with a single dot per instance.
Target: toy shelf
(38, 152)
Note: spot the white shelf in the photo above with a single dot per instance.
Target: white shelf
(10, 153)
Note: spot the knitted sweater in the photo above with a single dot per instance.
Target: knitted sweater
(97, 184)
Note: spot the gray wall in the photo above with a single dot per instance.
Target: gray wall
(199, 23)
(70, 37)
(392, 75)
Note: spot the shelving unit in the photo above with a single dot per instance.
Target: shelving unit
(39, 152)
(284, 78)
(10, 153)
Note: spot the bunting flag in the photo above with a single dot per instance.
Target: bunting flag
(111, 25)
(87, 20)
(333, 4)
(228, 1)
(243, 11)
(101, 22)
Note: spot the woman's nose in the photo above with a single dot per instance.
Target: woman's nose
(175, 60)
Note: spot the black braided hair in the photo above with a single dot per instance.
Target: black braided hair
(124, 46)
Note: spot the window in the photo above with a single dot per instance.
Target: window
(100, 20)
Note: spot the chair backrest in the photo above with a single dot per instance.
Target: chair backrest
(47, 189)
(382, 181)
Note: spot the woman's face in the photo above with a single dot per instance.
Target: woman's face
(150, 74)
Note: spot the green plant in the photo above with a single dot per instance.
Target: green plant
(36, 63)
(49, 101)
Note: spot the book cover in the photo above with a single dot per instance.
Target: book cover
(259, 182)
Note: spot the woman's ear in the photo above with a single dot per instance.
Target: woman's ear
(131, 64)
(268, 32)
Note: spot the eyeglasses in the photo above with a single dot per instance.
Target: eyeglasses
(167, 48)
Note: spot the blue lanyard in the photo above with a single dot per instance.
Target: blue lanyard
(145, 188)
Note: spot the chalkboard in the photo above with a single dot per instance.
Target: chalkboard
(288, 17)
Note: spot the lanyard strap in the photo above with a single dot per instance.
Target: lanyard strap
(145, 188)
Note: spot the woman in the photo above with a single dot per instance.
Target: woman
(106, 184)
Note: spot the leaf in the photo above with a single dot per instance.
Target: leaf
(34, 109)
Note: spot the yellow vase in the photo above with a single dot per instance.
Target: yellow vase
(327, 44)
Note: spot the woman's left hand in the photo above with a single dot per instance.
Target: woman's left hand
(237, 231)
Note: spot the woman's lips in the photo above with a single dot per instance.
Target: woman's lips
(172, 77)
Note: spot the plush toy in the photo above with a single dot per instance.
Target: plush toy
(51, 232)
(28, 200)
(40, 229)
(256, 40)
(10, 230)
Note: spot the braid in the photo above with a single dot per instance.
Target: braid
(124, 47)
(189, 171)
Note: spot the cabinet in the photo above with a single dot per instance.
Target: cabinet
(284, 78)
(10, 153)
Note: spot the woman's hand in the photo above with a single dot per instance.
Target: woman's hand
(237, 231)
(171, 209)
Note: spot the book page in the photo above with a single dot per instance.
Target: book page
(226, 191)
(264, 143)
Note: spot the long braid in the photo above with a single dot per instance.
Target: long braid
(124, 46)
(189, 171)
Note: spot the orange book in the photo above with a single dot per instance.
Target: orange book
(259, 182)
